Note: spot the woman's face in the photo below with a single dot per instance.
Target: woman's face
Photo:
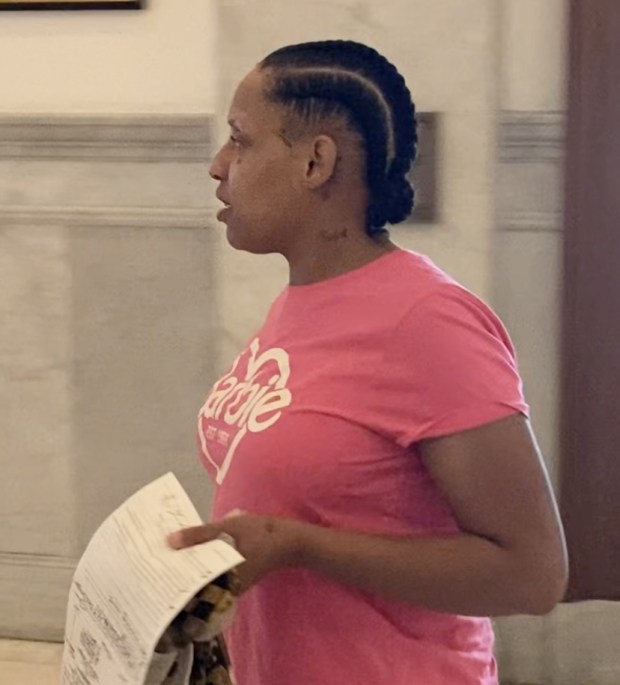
(259, 174)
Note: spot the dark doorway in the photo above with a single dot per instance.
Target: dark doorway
(591, 324)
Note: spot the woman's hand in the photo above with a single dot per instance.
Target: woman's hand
(266, 543)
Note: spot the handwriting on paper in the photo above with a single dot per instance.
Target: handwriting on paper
(129, 585)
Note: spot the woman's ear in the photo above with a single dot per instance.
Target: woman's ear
(321, 161)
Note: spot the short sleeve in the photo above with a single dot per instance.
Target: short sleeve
(450, 366)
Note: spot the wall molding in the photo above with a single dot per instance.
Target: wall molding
(108, 217)
(531, 136)
(39, 613)
(529, 192)
(531, 222)
(131, 138)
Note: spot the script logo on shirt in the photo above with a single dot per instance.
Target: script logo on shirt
(250, 397)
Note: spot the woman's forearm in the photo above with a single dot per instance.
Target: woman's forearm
(462, 574)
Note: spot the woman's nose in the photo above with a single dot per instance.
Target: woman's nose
(218, 167)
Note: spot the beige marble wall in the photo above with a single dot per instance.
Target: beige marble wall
(35, 393)
(527, 294)
(529, 199)
(109, 336)
(527, 281)
(534, 43)
(145, 330)
(157, 60)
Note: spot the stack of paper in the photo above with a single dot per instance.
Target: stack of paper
(129, 585)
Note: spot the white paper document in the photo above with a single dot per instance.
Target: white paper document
(129, 585)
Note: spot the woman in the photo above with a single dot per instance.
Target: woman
(373, 433)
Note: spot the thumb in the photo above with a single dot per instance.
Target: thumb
(234, 513)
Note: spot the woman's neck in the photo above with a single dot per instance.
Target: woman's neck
(333, 252)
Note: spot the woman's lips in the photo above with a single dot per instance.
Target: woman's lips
(221, 215)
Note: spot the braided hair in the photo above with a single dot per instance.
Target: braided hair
(350, 80)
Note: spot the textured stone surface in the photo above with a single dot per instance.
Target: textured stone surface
(528, 297)
(144, 346)
(35, 395)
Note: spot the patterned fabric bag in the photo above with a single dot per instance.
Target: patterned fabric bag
(191, 651)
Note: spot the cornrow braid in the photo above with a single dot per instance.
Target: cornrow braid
(344, 78)
(304, 82)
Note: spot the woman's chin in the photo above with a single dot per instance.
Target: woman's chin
(247, 241)
(236, 239)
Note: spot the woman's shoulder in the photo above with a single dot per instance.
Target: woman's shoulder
(427, 292)
(416, 280)
(419, 271)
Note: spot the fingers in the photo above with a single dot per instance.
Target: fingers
(188, 537)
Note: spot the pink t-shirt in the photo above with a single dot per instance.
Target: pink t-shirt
(318, 420)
